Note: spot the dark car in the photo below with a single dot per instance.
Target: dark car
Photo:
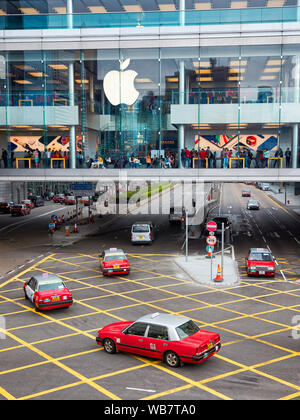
(5, 207)
(246, 193)
(39, 201)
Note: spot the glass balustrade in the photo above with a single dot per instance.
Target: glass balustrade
(171, 18)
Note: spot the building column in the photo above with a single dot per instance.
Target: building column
(295, 146)
(181, 88)
(181, 102)
(72, 137)
(182, 12)
(70, 13)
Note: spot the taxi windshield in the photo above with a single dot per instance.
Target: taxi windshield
(51, 286)
(114, 257)
(187, 329)
(260, 256)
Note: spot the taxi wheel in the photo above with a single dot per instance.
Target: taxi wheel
(172, 360)
(109, 346)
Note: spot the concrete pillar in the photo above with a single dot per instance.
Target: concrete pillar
(296, 77)
(72, 141)
(295, 146)
(181, 102)
(70, 13)
(182, 12)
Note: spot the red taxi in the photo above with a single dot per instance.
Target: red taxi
(260, 262)
(28, 203)
(114, 261)
(47, 291)
(19, 210)
(70, 200)
(171, 338)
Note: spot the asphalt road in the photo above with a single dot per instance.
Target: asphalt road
(53, 355)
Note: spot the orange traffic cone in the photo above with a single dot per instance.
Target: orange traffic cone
(75, 228)
(219, 274)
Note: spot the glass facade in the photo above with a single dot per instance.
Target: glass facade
(67, 108)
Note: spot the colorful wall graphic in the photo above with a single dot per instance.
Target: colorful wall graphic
(250, 141)
(31, 143)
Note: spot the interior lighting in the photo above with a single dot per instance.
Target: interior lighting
(97, 9)
(202, 6)
(29, 11)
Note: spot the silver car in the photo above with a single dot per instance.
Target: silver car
(142, 233)
(253, 205)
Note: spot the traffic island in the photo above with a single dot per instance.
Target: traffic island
(206, 271)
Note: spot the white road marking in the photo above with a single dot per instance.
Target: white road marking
(283, 275)
(140, 389)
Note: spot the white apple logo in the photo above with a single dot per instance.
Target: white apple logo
(119, 85)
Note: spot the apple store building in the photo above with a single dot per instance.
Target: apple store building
(82, 79)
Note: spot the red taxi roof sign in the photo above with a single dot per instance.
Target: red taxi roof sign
(211, 226)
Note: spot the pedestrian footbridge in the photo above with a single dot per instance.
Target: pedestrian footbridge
(206, 175)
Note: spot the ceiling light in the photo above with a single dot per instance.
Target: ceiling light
(238, 4)
(272, 70)
(203, 71)
(97, 9)
(143, 80)
(58, 66)
(233, 70)
(268, 77)
(37, 74)
(172, 79)
(29, 11)
(235, 78)
(24, 67)
(23, 82)
(82, 81)
(201, 63)
(167, 7)
(202, 6)
(275, 3)
(238, 63)
(204, 79)
(132, 8)
(273, 63)
(60, 10)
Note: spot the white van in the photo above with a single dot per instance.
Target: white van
(142, 233)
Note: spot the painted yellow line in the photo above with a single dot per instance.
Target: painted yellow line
(64, 367)
(16, 278)
(282, 208)
(6, 394)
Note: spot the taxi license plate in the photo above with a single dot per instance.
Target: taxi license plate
(141, 237)
(55, 298)
(209, 346)
(116, 266)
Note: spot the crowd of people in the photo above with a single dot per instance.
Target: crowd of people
(243, 157)
(190, 158)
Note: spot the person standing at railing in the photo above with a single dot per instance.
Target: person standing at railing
(4, 157)
(278, 155)
(288, 155)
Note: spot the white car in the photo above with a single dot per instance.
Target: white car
(142, 233)
(253, 205)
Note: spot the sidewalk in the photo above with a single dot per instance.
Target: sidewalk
(204, 270)
(286, 198)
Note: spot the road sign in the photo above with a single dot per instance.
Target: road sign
(211, 240)
(209, 248)
(211, 226)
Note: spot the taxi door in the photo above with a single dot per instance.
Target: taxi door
(101, 260)
(30, 289)
(133, 339)
(156, 341)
